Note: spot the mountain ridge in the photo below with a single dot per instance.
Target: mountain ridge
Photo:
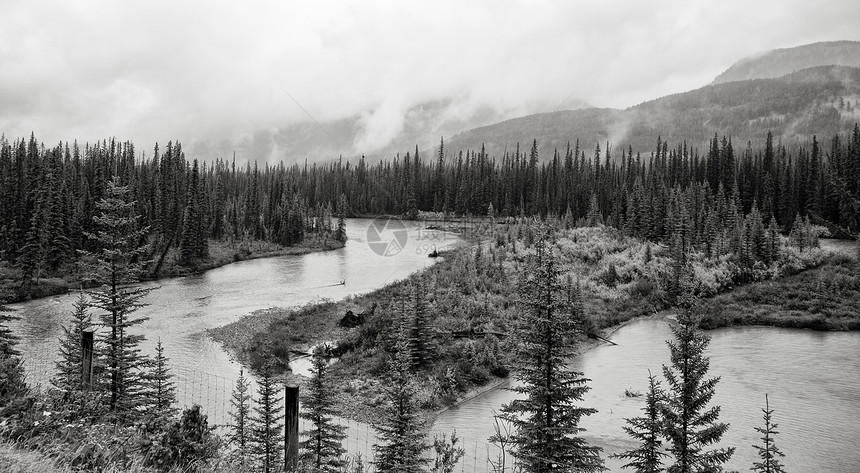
(823, 100)
(779, 62)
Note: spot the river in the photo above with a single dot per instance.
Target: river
(812, 379)
(181, 309)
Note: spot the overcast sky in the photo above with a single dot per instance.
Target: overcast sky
(159, 70)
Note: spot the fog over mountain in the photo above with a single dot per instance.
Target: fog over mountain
(284, 81)
(779, 62)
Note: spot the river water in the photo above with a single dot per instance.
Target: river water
(181, 309)
(812, 379)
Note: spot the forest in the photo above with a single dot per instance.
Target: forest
(48, 199)
(568, 234)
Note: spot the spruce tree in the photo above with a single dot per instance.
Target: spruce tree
(8, 340)
(421, 337)
(241, 417)
(12, 380)
(340, 231)
(70, 366)
(689, 425)
(768, 451)
(322, 451)
(547, 436)
(400, 429)
(194, 245)
(647, 430)
(117, 265)
(267, 426)
(161, 391)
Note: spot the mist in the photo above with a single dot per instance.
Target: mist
(227, 75)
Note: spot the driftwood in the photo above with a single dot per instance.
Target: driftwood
(350, 319)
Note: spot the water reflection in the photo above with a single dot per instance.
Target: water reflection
(180, 310)
(812, 378)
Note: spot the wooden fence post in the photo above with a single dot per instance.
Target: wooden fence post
(291, 421)
(87, 342)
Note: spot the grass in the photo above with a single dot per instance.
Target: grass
(14, 459)
(17, 460)
(823, 298)
(474, 289)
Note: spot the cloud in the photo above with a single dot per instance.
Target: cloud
(223, 72)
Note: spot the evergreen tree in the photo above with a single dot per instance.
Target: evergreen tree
(69, 376)
(12, 380)
(547, 436)
(161, 391)
(340, 231)
(193, 245)
(689, 425)
(322, 451)
(421, 336)
(240, 414)
(647, 430)
(117, 265)
(594, 217)
(768, 451)
(8, 340)
(267, 427)
(400, 430)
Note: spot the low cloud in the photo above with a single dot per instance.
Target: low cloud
(210, 73)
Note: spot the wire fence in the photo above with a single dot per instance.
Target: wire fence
(213, 392)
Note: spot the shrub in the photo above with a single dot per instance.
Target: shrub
(187, 441)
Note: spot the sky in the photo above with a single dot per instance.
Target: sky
(153, 71)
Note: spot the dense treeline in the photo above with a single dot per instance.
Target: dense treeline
(820, 181)
(48, 202)
(48, 194)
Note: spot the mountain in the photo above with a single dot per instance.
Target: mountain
(779, 62)
(823, 100)
(792, 92)
(365, 134)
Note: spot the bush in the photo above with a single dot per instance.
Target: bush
(187, 441)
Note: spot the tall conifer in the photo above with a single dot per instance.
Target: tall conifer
(548, 436)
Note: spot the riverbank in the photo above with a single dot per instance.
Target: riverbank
(585, 345)
(221, 253)
(470, 298)
(822, 298)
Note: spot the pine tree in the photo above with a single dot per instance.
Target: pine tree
(8, 340)
(240, 427)
(12, 381)
(400, 430)
(547, 436)
(689, 425)
(340, 231)
(161, 391)
(70, 367)
(323, 450)
(266, 426)
(117, 265)
(594, 217)
(421, 336)
(768, 451)
(193, 245)
(647, 430)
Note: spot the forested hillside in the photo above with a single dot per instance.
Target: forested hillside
(822, 100)
(779, 62)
